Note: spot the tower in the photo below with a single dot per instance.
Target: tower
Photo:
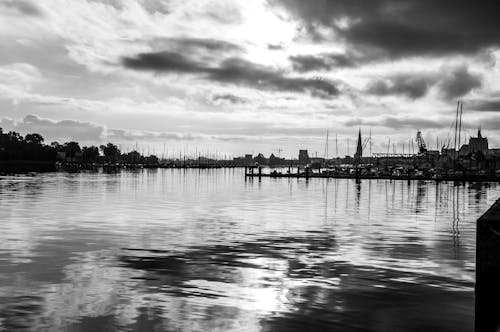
(359, 149)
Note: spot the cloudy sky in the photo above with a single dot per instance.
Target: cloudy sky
(239, 76)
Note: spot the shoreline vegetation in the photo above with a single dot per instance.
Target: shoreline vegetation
(20, 154)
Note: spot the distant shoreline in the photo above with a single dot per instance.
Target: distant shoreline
(26, 166)
(13, 167)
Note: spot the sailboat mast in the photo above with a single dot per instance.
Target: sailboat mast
(326, 146)
(460, 125)
(456, 128)
(336, 145)
(370, 142)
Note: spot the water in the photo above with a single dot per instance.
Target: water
(205, 250)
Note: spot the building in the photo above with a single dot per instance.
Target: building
(260, 159)
(359, 149)
(449, 153)
(247, 160)
(276, 161)
(304, 157)
(464, 150)
(478, 144)
(494, 153)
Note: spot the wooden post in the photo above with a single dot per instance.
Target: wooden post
(260, 171)
(488, 270)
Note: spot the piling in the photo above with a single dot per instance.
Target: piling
(260, 171)
(488, 270)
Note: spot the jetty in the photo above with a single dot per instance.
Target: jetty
(370, 172)
(488, 270)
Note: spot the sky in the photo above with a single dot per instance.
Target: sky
(230, 77)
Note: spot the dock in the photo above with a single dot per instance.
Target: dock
(488, 270)
(307, 173)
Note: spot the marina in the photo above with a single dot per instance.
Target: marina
(369, 172)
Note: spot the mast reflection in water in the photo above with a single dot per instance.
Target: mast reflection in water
(207, 250)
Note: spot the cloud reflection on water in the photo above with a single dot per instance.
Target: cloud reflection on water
(209, 251)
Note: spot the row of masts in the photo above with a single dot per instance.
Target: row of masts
(179, 154)
(364, 143)
(457, 141)
(407, 149)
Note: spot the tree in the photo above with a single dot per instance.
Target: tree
(71, 149)
(34, 139)
(14, 136)
(132, 157)
(152, 160)
(56, 146)
(90, 153)
(110, 151)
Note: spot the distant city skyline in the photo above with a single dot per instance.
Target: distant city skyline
(239, 77)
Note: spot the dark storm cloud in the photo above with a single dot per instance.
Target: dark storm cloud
(233, 99)
(459, 82)
(453, 82)
(23, 7)
(163, 62)
(245, 73)
(305, 63)
(397, 123)
(411, 86)
(403, 27)
(196, 45)
(232, 71)
(484, 105)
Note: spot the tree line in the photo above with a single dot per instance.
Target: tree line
(13, 146)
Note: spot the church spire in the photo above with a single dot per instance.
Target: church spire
(359, 148)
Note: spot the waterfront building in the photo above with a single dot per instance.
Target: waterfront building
(304, 157)
(449, 153)
(478, 144)
(464, 150)
(260, 159)
(276, 161)
(494, 153)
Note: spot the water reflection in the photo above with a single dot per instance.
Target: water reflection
(196, 250)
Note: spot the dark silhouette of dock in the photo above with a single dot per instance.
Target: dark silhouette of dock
(488, 270)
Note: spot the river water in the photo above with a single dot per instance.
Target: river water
(207, 250)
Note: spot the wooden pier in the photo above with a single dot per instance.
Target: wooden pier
(488, 270)
(307, 172)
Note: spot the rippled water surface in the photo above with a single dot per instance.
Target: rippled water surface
(205, 250)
